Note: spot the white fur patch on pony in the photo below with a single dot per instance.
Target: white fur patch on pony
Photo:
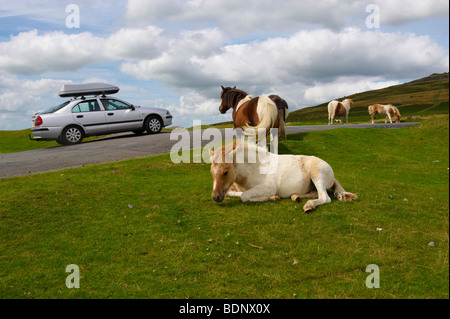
(267, 113)
(245, 99)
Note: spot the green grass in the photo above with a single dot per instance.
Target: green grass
(147, 228)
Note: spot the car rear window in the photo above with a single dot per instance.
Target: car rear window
(55, 108)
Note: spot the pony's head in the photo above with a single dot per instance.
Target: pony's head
(370, 109)
(230, 97)
(396, 115)
(223, 171)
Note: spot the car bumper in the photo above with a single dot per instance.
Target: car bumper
(45, 133)
(168, 120)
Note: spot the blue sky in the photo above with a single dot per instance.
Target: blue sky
(176, 54)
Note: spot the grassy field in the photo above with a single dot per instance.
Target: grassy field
(415, 101)
(147, 228)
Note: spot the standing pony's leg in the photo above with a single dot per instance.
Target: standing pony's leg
(388, 116)
(346, 117)
(281, 129)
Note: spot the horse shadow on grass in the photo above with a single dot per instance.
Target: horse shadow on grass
(285, 147)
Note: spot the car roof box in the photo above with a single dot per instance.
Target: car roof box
(73, 90)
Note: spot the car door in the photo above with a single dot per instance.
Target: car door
(90, 116)
(121, 116)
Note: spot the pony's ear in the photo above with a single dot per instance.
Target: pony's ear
(223, 89)
(234, 87)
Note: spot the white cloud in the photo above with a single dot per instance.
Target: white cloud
(240, 18)
(307, 56)
(20, 99)
(399, 12)
(134, 44)
(31, 53)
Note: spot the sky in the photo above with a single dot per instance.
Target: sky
(176, 54)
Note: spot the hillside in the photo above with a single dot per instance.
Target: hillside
(425, 96)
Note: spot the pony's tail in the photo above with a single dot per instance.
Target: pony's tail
(340, 193)
(268, 115)
(370, 109)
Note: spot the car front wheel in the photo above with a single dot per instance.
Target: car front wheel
(71, 135)
(153, 125)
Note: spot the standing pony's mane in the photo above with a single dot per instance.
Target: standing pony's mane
(231, 96)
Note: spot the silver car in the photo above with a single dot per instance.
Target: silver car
(92, 112)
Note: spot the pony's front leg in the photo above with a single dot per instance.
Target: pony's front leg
(258, 193)
(231, 193)
(234, 191)
(390, 119)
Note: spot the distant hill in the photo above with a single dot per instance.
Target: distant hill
(425, 96)
(432, 77)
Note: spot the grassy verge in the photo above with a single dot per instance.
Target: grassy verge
(19, 141)
(147, 228)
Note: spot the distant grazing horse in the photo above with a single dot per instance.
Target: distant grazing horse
(336, 108)
(294, 176)
(387, 109)
(251, 114)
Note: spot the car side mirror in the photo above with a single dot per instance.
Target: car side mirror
(133, 107)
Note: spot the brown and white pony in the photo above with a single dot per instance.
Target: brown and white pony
(336, 108)
(251, 114)
(387, 109)
(290, 176)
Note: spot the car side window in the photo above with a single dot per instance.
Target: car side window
(111, 104)
(86, 106)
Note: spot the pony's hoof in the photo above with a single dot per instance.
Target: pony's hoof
(296, 198)
(307, 209)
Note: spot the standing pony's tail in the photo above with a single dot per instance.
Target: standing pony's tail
(267, 113)
(370, 109)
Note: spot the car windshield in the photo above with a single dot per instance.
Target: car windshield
(55, 108)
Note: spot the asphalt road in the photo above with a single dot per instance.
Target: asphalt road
(119, 147)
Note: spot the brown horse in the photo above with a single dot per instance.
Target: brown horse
(251, 114)
(387, 109)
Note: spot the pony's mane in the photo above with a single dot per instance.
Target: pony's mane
(230, 96)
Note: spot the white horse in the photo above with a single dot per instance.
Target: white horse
(387, 109)
(295, 176)
(336, 108)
